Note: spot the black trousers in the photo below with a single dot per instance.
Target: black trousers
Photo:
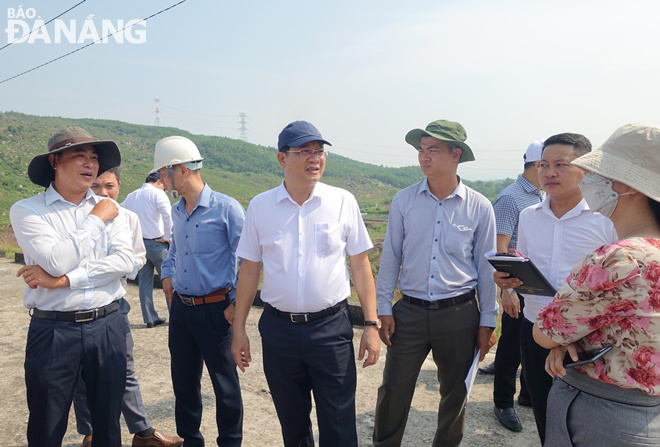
(305, 358)
(198, 335)
(538, 381)
(56, 355)
(507, 361)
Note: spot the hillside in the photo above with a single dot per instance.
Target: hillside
(234, 167)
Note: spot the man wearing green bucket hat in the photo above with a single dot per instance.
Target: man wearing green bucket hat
(437, 235)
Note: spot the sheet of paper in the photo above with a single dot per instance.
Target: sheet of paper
(472, 374)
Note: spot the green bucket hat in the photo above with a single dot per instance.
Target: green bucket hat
(443, 130)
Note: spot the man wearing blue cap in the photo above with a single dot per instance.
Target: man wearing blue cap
(302, 231)
(437, 235)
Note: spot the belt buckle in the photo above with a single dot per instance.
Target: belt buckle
(295, 318)
(433, 305)
(187, 301)
(78, 318)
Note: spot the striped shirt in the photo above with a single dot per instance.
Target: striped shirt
(510, 202)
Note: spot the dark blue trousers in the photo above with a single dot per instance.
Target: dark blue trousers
(57, 353)
(198, 335)
(318, 357)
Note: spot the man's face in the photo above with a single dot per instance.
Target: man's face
(305, 166)
(76, 168)
(106, 185)
(436, 158)
(556, 173)
(168, 183)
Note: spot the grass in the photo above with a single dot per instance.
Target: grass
(8, 242)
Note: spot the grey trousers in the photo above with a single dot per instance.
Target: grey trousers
(581, 418)
(450, 334)
(132, 406)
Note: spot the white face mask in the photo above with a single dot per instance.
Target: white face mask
(599, 194)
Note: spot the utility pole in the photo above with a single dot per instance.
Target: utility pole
(157, 111)
(243, 123)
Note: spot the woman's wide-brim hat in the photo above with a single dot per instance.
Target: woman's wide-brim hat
(631, 156)
(449, 131)
(40, 170)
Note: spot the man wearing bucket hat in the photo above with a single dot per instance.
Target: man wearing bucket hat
(302, 231)
(77, 247)
(199, 277)
(437, 235)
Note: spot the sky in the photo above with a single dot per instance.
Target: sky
(365, 73)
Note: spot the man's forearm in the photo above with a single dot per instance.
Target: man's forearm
(246, 290)
(363, 280)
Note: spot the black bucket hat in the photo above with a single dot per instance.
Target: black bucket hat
(42, 173)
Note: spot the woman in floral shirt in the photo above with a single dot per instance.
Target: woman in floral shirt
(611, 298)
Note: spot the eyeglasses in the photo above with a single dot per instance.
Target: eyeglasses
(309, 152)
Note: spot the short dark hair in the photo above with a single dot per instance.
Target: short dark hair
(581, 144)
(152, 178)
(655, 209)
(528, 165)
(116, 172)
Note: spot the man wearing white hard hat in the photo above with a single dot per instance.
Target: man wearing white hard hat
(199, 276)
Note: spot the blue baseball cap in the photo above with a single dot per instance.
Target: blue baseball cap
(298, 133)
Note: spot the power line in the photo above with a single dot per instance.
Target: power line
(56, 17)
(89, 44)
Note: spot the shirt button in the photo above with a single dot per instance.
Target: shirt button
(433, 256)
(431, 293)
(432, 276)
(440, 204)
(185, 271)
(436, 240)
(187, 254)
(437, 221)
(186, 236)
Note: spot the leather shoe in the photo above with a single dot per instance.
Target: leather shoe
(87, 441)
(156, 322)
(489, 370)
(157, 440)
(509, 419)
(524, 401)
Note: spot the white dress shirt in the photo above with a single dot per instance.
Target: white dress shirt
(139, 252)
(556, 245)
(65, 239)
(154, 210)
(304, 248)
(434, 249)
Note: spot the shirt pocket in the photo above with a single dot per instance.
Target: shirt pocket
(328, 239)
(207, 237)
(458, 241)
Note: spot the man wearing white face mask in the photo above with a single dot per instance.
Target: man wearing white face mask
(555, 234)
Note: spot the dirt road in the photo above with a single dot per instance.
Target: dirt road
(261, 427)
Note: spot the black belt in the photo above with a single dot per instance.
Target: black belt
(441, 303)
(154, 239)
(306, 317)
(76, 316)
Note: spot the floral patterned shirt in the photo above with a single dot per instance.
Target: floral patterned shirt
(613, 298)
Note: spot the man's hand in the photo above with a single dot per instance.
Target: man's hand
(386, 328)
(105, 210)
(486, 338)
(168, 289)
(510, 303)
(554, 363)
(34, 276)
(505, 281)
(229, 313)
(371, 344)
(240, 349)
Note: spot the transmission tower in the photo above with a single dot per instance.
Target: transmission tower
(157, 111)
(243, 123)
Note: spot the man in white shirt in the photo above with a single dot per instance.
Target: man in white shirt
(152, 206)
(302, 231)
(77, 247)
(555, 234)
(107, 185)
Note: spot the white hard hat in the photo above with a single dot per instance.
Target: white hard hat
(174, 151)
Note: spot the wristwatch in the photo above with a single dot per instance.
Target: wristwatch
(373, 323)
(489, 327)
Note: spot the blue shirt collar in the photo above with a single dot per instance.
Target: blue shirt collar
(459, 191)
(204, 200)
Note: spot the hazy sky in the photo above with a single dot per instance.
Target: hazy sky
(364, 72)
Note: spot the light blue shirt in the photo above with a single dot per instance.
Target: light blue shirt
(202, 256)
(435, 248)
